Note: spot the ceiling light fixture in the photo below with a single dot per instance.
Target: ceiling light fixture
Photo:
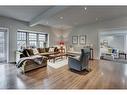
(75, 23)
(61, 17)
(85, 8)
(96, 18)
(47, 22)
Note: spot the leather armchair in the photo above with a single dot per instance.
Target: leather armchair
(80, 63)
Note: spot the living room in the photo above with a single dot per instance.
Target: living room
(73, 30)
(113, 45)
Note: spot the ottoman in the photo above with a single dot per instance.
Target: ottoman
(108, 56)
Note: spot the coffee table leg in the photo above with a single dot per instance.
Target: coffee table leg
(125, 56)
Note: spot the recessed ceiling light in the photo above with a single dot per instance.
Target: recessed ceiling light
(61, 17)
(85, 8)
(96, 18)
(75, 23)
(47, 22)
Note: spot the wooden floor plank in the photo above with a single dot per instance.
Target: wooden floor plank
(103, 75)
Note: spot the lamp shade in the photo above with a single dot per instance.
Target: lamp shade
(61, 42)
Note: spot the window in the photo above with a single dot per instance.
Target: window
(21, 40)
(42, 40)
(3, 45)
(28, 39)
(32, 40)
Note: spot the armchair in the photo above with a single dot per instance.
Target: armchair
(80, 63)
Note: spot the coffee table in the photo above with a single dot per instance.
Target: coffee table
(56, 56)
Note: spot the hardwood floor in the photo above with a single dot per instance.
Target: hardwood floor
(103, 75)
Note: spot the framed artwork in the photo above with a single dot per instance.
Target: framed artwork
(82, 39)
(105, 42)
(74, 39)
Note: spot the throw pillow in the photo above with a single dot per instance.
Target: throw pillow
(51, 50)
(46, 49)
(26, 53)
(30, 52)
(114, 51)
(35, 51)
(109, 50)
(56, 49)
(42, 50)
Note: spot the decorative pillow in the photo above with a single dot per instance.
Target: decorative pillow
(46, 49)
(31, 52)
(35, 51)
(109, 50)
(114, 50)
(41, 50)
(26, 53)
(51, 49)
(56, 49)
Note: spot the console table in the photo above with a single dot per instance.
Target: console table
(123, 54)
(74, 53)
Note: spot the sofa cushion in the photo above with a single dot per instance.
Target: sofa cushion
(109, 50)
(114, 51)
(35, 51)
(28, 52)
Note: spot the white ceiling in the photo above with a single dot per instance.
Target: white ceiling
(23, 13)
(114, 32)
(63, 17)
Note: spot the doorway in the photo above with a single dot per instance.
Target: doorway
(113, 45)
(3, 46)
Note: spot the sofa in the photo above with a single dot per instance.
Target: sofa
(39, 51)
(109, 53)
(30, 63)
(28, 57)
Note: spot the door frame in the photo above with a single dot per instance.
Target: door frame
(7, 39)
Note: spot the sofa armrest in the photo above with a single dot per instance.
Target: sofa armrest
(74, 64)
(22, 55)
(74, 57)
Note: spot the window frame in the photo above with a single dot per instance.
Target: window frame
(37, 38)
(21, 39)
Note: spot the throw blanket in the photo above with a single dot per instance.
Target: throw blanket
(37, 59)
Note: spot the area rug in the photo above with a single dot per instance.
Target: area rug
(58, 63)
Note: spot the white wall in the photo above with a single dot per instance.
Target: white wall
(92, 31)
(14, 25)
(115, 41)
